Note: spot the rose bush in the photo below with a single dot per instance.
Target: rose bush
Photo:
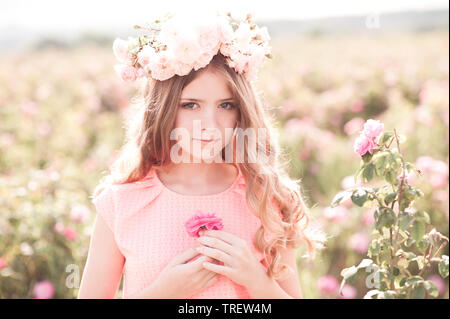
(402, 249)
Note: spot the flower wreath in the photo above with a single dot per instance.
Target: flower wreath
(179, 43)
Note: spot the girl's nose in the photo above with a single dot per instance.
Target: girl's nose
(209, 121)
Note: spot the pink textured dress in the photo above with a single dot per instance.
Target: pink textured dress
(148, 222)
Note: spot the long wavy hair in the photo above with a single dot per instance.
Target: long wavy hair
(271, 194)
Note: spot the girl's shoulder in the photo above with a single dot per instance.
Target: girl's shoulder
(123, 200)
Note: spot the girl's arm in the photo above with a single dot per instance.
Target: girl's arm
(104, 264)
(286, 289)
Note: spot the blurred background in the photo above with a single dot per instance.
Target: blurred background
(335, 64)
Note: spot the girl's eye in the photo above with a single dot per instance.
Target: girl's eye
(230, 107)
(186, 105)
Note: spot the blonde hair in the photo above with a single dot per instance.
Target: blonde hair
(271, 195)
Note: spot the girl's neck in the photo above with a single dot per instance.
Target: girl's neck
(205, 178)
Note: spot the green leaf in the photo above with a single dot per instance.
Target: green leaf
(367, 157)
(420, 261)
(404, 219)
(399, 281)
(359, 197)
(418, 292)
(358, 172)
(380, 163)
(368, 172)
(409, 242)
(386, 295)
(422, 216)
(443, 266)
(431, 288)
(390, 176)
(386, 137)
(340, 197)
(421, 245)
(390, 198)
(414, 280)
(396, 271)
(374, 248)
(386, 217)
(417, 230)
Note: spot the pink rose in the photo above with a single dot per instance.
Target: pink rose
(425, 163)
(439, 282)
(43, 290)
(438, 180)
(348, 292)
(126, 72)
(264, 33)
(120, 48)
(357, 106)
(2, 263)
(181, 68)
(328, 285)
(58, 227)
(80, 213)
(353, 126)
(162, 68)
(187, 48)
(368, 218)
(241, 62)
(29, 108)
(437, 169)
(209, 38)
(360, 242)
(203, 60)
(203, 221)
(146, 55)
(70, 233)
(338, 213)
(373, 129)
(226, 30)
(363, 144)
(243, 36)
(172, 29)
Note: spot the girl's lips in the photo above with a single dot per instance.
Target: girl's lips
(206, 141)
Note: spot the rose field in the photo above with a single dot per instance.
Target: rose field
(61, 112)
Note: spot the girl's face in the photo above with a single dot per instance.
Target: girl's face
(206, 111)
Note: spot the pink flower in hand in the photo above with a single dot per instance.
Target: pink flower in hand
(203, 221)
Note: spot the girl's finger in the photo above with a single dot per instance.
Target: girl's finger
(220, 269)
(215, 253)
(184, 256)
(211, 280)
(217, 243)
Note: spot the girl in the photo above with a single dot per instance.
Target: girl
(152, 192)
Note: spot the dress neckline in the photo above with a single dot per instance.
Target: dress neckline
(231, 187)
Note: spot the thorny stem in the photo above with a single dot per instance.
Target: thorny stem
(393, 240)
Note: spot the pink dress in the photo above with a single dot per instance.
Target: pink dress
(148, 222)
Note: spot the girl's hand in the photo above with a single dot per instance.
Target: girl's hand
(239, 263)
(182, 277)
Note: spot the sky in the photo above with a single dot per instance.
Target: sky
(102, 15)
